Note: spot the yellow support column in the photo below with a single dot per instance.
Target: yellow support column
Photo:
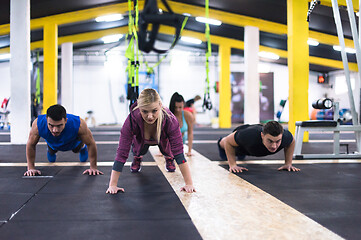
(50, 81)
(298, 62)
(225, 114)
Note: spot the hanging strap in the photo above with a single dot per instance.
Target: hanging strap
(150, 15)
(151, 69)
(207, 104)
(312, 6)
(132, 53)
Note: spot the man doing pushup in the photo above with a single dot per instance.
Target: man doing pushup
(62, 132)
(257, 140)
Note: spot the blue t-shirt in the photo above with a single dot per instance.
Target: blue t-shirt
(67, 140)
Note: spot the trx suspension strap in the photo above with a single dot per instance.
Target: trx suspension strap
(312, 6)
(150, 70)
(207, 104)
(144, 41)
(133, 58)
(151, 15)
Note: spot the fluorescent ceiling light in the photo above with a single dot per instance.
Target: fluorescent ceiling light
(312, 42)
(208, 20)
(109, 18)
(112, 38)
(336, 48)
(191, 40)
(268, 55)
(348, 50)
(5, 56)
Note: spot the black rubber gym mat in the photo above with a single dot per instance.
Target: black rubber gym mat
(70, 180)
(12, 180)
(114, 138)
(4, 138)
(207, 136)
(24, 185)
(102, 207)
(211, 150)
(105, 230)
(17, 172)
(17, 153)
(9, 204)
(12, 153)
(70, 205)
(327, 193)
(105, 128)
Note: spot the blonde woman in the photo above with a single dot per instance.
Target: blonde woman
(149, 123)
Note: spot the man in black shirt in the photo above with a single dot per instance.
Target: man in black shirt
(257, 140)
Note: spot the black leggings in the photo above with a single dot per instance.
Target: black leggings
(145, 150)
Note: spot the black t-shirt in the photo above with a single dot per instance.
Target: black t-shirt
(248, 138)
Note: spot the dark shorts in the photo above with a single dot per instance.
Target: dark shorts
(145, 150)
(178, 158)
(75, 150)
(222, 152)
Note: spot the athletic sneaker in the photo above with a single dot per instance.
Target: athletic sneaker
(83, 154)
(51, 157)
(222, 152)
(136, 167)
(169, 164)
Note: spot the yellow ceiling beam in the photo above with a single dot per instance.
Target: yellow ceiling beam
(214, 39)
(225, 17)
(89, 36)
(81, 15)
(329, 39)
(279, 52)
(77, 38)
(229, 18)
(233, 43)
(4, 29)
(340, 3)
(71, 17)
(332, 63)
(242, 21)
(5, 50)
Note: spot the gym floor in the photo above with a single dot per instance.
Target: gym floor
(319, 202)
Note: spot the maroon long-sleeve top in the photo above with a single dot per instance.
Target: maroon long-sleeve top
(132, 133)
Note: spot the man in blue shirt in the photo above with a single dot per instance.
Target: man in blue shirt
(62, 132)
